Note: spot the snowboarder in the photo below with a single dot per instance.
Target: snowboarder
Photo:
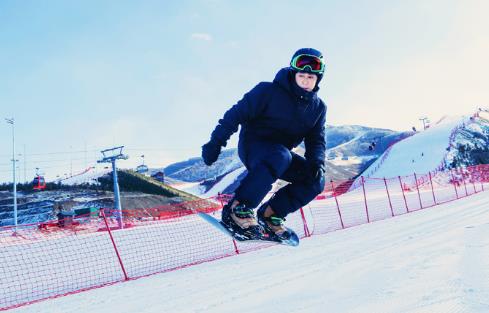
(275, 118)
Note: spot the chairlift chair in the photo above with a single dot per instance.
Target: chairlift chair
(141, 169)
(39, 183)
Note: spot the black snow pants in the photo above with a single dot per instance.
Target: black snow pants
(266, 162)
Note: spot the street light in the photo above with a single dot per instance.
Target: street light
(11, 121)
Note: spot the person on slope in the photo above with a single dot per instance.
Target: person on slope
(275, 118)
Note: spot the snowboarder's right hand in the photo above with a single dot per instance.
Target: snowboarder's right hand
(210, 152)
(316, 172)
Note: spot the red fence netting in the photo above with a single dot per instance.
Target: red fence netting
(45, 260)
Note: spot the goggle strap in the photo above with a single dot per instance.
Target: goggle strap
(294, 62)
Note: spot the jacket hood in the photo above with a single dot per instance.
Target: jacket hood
(285, 79)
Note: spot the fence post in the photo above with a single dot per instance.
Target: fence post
(454, 183)
(388, 196)
(115, 246)
(417, 188)
(235, 247)
(337, 205)
(219, 197)
(365, 198)
(472, 178)
(403, 195)
(465, 184)
(432, 189)
(482, 176)
(306, 229)
(234, 240)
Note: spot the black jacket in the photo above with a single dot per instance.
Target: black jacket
(279, 112)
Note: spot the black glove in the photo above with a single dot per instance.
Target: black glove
(315, 172)
(210, 152)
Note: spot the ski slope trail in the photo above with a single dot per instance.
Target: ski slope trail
(421, 153)
(432, 260)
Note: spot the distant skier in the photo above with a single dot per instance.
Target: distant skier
(275, 117)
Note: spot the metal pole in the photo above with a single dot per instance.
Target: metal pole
(432, 189)
(15, 178)
(389, 197)
(337, 205)
(11, 121)
(403, 195)
(114, 245)
(419, 194)
(365, 198)
(454, 183)
(111, 155)
(465, 184)
(306, 229)
(71, 161)
(25, 166)
(473, 180)
(117, 199)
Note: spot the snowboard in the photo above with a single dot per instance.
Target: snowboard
(269, 237)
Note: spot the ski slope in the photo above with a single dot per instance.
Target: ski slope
(433, 260)
(421, 153)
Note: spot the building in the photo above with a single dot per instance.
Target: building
(159, 176)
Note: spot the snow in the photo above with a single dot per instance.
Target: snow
(191, 187)
(433, 260)
(348, 142)
(198, 190)
(89, 175)
(224, 183)
(420, 153)
(351, 160)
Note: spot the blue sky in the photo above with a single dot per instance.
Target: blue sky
(155, 76)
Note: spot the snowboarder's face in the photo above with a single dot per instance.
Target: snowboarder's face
(306, 81)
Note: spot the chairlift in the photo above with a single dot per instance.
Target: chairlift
(141, 169)
(39, 183)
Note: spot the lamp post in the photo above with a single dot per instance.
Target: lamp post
(11, 121)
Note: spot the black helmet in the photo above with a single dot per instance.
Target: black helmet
(308, 60)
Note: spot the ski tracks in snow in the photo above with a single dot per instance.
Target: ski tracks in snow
(432, 260)
(475, 267)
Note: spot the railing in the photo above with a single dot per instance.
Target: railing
(41, 261)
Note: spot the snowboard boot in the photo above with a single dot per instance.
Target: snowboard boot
(272, 224)
(241, 220)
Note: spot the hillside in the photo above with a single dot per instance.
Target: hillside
(454, 141)
(350, 150)
(137, 191)
(470, 143)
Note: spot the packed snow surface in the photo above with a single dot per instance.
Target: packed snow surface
(199, 190)
(433, 260)
(420, 154)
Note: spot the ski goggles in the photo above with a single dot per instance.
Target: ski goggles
(307, 62)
